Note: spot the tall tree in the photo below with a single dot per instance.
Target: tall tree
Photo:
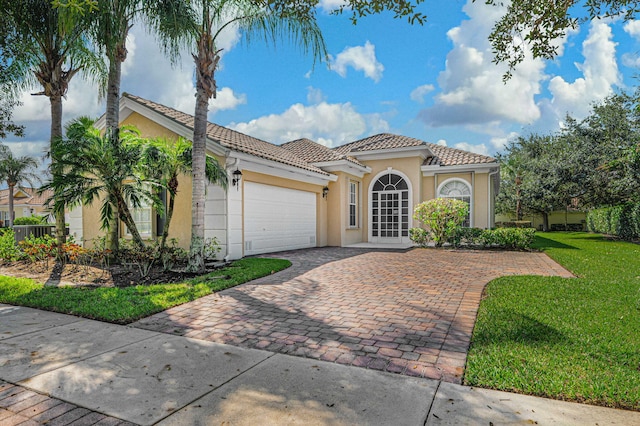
(52, 50)
(164, 160)
(111, 22)
(253, 20)
(14, 171)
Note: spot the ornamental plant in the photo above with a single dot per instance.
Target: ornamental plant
(442, 218)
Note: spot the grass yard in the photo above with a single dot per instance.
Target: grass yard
(570, 339)
(128, 304)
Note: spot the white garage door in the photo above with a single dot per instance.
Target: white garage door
(277, 219)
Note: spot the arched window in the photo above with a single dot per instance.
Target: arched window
(458, 190)
(390, 208)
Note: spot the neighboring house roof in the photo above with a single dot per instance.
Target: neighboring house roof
(442, 155)
(232, 139)
(314, 152)
(23, 196)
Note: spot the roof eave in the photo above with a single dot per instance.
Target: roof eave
(345, 166)
(475, 167)
(274, 168)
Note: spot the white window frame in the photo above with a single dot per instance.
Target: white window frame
(459, 197)
(353, 201)
(144, 205)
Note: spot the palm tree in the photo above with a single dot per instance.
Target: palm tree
(163, 160)
(101, 167)
(112, 20)
(14, 171)
(252, 19)
(52, 50)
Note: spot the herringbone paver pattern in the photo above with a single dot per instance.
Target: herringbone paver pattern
(20, 406)
(406, 312)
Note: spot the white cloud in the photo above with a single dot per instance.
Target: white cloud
(328, 124)
(478, 149)
(420, 92)
(472, 87)
(315, 96)
(633, 29)
(441, 142)
(361, 58)
(329, 5)
(600, 73)
(499, 142)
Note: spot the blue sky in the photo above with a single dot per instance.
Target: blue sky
(434, 82)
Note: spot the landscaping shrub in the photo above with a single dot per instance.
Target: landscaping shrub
(622, 221)
(442, 218)
(420, 236)
(31, 220)
(508, 238)
(9, 251)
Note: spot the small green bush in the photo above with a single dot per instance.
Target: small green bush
(31, 220)
(442, 218)
(506, 238)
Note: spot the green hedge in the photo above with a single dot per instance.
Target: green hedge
(505, 238)
(31, 220)
(622, 221)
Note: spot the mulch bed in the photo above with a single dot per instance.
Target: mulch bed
(57, 274)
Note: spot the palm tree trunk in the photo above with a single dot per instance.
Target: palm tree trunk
(12, 214)
(56, 135)
(125, 214)
(112, 118)
(196, 250)
(169, 213)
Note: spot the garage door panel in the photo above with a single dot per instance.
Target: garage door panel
(277, 219)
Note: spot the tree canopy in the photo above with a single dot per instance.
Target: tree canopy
(589, 163)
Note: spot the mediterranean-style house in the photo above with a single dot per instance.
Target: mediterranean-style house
(302, 194)
(26, 202)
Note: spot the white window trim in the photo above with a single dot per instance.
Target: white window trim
(468, 185)
(132, 210)
(356, 203)
(373, 181)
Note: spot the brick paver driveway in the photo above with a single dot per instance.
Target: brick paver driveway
(408, 312)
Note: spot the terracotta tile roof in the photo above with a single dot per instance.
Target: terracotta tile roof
(378, 142)
(314, 152)
(445, 156)
(32, 198)
(232, 139)
(442, 155)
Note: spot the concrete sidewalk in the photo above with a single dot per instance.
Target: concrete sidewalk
(99, 373)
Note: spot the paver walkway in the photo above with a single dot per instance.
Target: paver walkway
(20, 406)
(407, 312)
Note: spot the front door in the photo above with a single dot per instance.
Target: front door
(390, 210)
(389, 218)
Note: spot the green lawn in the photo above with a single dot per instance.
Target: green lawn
(125, 305)
(571, 339)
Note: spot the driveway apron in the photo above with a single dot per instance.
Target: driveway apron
(407, 312)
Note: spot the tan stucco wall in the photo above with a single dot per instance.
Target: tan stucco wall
(339, 231)
(91, 223)
(148, 128)
(479, 183)
(321, 203)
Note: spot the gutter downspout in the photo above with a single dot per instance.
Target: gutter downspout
(226, 210)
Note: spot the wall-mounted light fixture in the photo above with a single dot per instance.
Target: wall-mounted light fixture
(325, 192)
(237, 175)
